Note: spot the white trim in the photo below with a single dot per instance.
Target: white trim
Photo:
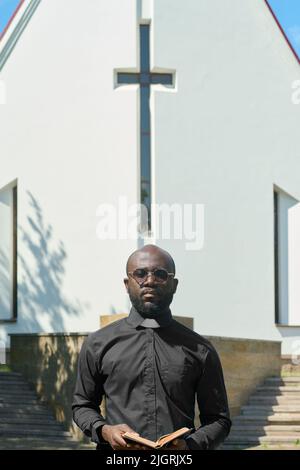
(16, 28)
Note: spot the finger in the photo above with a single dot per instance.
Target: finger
(118, 440)
(126, 428)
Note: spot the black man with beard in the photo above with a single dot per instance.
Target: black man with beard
(150, 368)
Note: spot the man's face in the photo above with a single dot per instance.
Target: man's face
(151, 297)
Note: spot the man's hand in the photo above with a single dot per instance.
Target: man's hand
(177, 444)
(113, 435)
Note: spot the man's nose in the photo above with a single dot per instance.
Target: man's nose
(150, 279)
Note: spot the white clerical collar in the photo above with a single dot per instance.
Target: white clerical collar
(150, 323)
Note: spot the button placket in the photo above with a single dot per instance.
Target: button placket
(150, 382)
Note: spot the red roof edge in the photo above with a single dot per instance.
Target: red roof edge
(280, 27)
(11, 18)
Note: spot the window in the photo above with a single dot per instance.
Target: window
(8, 253)
(286, 258)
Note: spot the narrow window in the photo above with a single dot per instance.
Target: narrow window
(8, 253)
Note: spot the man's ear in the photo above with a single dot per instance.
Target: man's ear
(175, 284)
(125, 280)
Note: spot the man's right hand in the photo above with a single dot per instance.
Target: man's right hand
(113, 435)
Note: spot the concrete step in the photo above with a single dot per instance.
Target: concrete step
(27, 443)
(255, 409)
(29, 419)
(23, 399)
(282, 380)
(25, 421)
(250, 439)
(280, 418)
(19, 393)
(285, 389)
(18, 431)
(16, 400)
(10, 409)
(273, 400)
(8, 375)
(260, 447)
(13, 385)
(284, 429)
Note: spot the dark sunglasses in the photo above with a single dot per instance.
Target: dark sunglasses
(140, 275)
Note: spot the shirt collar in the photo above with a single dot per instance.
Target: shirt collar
(150, 323)
(135, 318)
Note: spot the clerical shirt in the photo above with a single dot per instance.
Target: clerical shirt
(150, 378)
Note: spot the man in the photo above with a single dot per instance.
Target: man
(149, 367)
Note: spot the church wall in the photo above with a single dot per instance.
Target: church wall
(69, 138)
(222, 137)
(227, 135)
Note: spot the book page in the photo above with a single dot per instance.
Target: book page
(160, 442)
(170, 437)
(139, 439)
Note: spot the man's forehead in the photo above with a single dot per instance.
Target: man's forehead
(149, 259)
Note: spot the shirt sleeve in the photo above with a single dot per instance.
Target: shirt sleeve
(213, 406)
(88, 394)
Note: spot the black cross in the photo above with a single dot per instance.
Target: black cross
(145, 78)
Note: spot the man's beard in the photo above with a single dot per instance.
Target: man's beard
(150, 309)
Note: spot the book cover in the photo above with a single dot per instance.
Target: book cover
(161, 442)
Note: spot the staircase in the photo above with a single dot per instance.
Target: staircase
(25, 422)
(271, 419)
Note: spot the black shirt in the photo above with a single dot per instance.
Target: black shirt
(150, 377)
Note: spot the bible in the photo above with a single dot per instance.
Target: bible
(161, 442)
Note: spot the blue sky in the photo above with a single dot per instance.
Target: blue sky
(287, 12)
(7, 7)
(288, 15)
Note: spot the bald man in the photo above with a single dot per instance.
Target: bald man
(150, 368)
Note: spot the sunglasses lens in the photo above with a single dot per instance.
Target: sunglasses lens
(140, 274)
(161, 275)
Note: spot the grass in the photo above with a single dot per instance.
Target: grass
(4, 368)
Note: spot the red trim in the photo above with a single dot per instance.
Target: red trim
(11, 18)
(280, 27)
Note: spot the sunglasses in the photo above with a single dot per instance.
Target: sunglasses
(140, 275)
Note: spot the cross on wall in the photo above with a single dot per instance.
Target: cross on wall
(145, 78)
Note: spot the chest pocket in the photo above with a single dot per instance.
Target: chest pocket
(174, 374)
(179, 379)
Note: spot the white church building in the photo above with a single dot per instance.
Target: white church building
(193, 109)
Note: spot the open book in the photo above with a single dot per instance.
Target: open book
(161, 442)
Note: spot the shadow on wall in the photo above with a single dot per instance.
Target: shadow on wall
(41, 301)
(49, 362)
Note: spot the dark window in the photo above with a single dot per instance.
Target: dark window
(276, 256)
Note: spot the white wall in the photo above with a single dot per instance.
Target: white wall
(227, 135)
(223, 137)
(70, 139)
